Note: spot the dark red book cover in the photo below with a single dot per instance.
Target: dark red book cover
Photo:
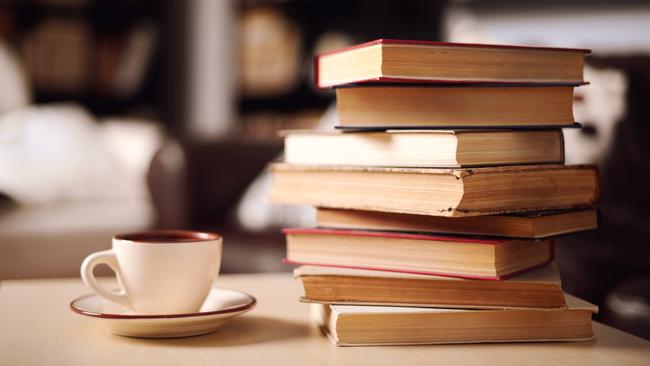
(383, 234)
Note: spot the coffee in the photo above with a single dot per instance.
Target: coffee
(167, 236)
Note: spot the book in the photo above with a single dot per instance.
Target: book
(437, 192)
(350, 325)
(534, 225)
(422, 106)
(443, 148)
(58, 54)
(270, 53)
(390, 60)
(135, 61)
(462, 257)
(540, 288)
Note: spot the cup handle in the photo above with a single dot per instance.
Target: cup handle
(104, 257)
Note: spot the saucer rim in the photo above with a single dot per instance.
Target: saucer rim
(252, 301)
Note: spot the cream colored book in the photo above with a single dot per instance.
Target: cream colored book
(437, 192)
(442, 148)
(349, 325)
(539, 288)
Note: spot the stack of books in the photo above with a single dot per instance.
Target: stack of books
(439, 194)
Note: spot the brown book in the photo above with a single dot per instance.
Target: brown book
(442, 148)
(452, 256)
(540, 288)
(437, 192)
(390, 60)
(350, 325)
(535, 225)
(380, 106)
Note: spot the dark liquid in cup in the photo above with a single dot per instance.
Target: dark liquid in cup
(168, 236)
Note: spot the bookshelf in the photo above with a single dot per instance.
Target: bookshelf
(128, 58)
(101, 54)
(302, 29)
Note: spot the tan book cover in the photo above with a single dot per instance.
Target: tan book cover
(417, 106)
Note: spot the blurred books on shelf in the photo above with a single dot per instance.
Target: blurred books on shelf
(101, 55)
(269, 54)
(123, 60)
(65, 56)
(58, 55)
(136, 55)
(266, 125)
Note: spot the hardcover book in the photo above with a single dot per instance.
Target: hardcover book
(437, 192)
(349, 325)
(462, 257)
(390, 60)
(539, 288)
(534, 225)
(459, 106)
(443, 148)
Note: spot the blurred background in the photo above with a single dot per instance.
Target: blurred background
(126, 115)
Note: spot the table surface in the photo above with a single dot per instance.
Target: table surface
(37, 328)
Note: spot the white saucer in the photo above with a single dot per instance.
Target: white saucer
(220, 306)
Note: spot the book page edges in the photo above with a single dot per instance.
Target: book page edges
(546, 274)
(437, 306)
(459, 172)
(343, 344)
(573, 304)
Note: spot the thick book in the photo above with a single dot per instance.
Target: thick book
(444, 148)
(437, 192)
(404, 106)
(390, 60)
(350, 325)
(535, 225)
(539, 288)
(450, 256)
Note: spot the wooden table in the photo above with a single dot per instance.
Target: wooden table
(37, 328)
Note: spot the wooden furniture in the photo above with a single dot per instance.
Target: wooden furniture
(37, 328)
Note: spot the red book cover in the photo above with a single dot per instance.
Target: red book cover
(377, 234)
(383, 79)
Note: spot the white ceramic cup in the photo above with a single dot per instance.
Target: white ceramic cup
(159, 272)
